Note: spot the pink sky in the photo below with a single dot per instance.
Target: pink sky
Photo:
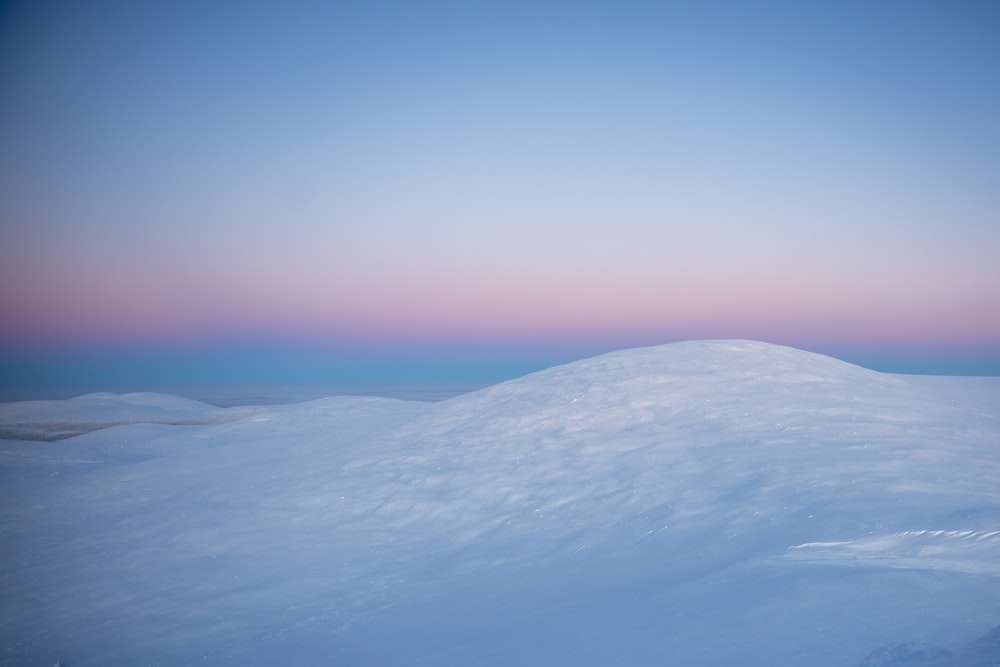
(630, 177)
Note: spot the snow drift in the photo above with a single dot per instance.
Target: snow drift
(703, 503)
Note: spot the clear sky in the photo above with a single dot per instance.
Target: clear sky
(491, 187)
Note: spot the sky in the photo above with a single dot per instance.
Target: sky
(365, 192)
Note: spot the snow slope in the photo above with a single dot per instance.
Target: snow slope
(702, 503)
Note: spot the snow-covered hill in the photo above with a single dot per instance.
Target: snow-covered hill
(56, 420)
(702, 503)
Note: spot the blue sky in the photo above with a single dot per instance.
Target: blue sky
(497, 185)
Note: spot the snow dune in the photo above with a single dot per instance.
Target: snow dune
(702, 503)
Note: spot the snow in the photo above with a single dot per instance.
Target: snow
(701, 503)
(55, 420)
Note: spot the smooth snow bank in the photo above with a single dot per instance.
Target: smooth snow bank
(704, 503)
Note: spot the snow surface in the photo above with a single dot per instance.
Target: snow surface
(702, 503)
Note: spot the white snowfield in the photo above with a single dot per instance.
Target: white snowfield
(698, 504)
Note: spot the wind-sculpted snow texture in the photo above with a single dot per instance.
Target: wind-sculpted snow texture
(704, 503)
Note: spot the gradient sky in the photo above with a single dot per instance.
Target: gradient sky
(507, 184)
